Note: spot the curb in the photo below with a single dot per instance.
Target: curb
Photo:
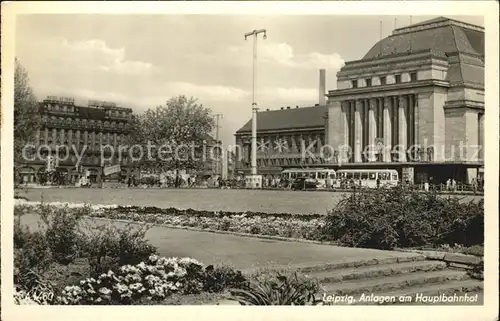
(360, 263)
(451, 258)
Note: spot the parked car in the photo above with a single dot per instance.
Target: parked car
(302, 183)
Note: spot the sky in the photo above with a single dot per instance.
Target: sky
(140, 61)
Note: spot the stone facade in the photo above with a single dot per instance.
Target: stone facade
(81, 129)
(414, 102)
(295, 144)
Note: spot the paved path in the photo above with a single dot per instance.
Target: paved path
(298, 202)
(244, 252)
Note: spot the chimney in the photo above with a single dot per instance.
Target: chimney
(322, 89)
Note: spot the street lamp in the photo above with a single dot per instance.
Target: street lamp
(255, 180)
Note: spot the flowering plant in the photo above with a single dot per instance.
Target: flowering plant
(155, 279)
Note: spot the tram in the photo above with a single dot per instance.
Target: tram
(367, 178)
(317, 176)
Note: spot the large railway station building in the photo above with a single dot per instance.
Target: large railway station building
(414, 102)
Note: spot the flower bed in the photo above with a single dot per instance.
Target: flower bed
(155, 279)
(297, 226)
(284, 225)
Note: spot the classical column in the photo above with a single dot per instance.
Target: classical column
(37, 137)
(358, 131)
(344, 140)
(70, 138)
(93, 140)
(372, 129)
(77, 133)
(294, 144)
(387, 130)
(480, 128)
(320, 141)
(54, 137)
(86, 138)
(310, 140)
(345, 125)
(46, 136)
(402, 128)
(114, 140)
(416, 119)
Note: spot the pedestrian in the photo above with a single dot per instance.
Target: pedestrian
(453, 184)
(474, 185)
(448, 184)
(378, 182)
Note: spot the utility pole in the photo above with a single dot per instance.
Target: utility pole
(217, 117)
(255, 181)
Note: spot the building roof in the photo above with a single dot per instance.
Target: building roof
(293, 118)
(441, 34)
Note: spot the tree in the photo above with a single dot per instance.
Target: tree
(172, 136)
(26, 114)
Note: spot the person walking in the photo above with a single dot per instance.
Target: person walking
(474, 185)
(378, 182)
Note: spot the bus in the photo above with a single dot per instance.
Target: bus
(366, 178)
(317, 176)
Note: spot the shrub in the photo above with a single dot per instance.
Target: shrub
(32, 257)
(401, 217)
(476, 250)
(107, 246)
(31, 250)
(278, 289)
(217, 279)
(61, 232)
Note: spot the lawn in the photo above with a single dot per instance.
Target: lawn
(298, 202)
(241, 252)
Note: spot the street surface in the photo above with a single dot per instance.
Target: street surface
(297, 202)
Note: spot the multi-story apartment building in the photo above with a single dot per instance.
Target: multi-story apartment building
(79, 130)
(97, 134)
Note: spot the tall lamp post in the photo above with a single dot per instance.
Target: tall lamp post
(255, 180)
(218, 170)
